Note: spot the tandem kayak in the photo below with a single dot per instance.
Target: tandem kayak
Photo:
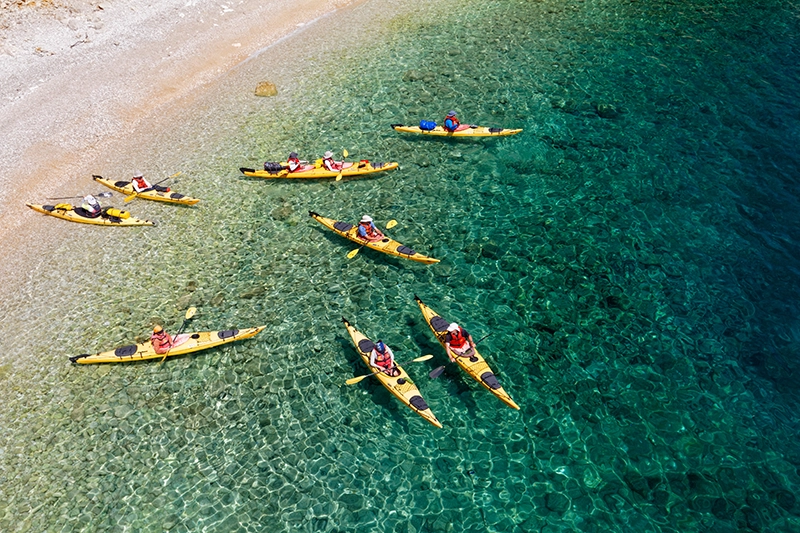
(73, 214)
(360, 168)
(474, 365)
(468, 131)
(125, 187)
(385, 245)
(401, 386)
(143, 351)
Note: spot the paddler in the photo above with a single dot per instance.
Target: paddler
(458, 342)
(293, 162)
(91, 207)
(367, 229)
(140, 184)
(382, 358)
(451, 122)
(163, 342)
(330, 164)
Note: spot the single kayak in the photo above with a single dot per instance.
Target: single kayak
(465, 131)
(143, 351)
(360, 168)
(126, 188)
(401, 386)
(474, 365)
(75, 214)
(385, 245)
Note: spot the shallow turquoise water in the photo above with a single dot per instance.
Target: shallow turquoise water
(633, 253)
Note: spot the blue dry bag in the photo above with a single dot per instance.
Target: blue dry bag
(426, 125)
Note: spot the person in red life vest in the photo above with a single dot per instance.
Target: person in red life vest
(90, 207)
(382, 358)
(451, 123)
(293, 163)
(367, 229)
(163, 342)
(141, 185)
(330, 164)
(458, 342)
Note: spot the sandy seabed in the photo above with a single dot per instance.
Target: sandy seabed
(84, 81)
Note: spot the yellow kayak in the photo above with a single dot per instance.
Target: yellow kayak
(468, 131)
(73, 214)
(126, 188)
(143, 351)
(475, 365)
(385, 245)
(360, 168)
(401, 386)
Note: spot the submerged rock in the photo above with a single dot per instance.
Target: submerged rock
(266, 88)
(607, 111)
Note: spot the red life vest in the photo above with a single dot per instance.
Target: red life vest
(369, 229)
(161, 342)
(293, 161)
(382, 359)
(141, 183)
(454, 121)
(457, 339)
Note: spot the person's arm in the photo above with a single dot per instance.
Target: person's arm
(293, 166)
(372, 359)
(362, 232)
(391, 355)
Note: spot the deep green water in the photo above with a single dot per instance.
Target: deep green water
(634, 253)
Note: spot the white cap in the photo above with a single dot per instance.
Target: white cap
(366, 218)
(328, 154)
(138, 175)
(90, 199)
(452, 327)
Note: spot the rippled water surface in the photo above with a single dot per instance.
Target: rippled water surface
(633, 253)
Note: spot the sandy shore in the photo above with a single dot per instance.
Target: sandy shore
(83, 79)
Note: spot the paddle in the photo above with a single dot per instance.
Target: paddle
(339, 176)
(353, 381)
(436, 372)
(132, 196)
(189, 314)
(98, 195)
(389, 225)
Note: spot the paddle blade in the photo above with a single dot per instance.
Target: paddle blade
(105, 195)
(423, 358)
(353, 253)
(129, 198)
(345, 153)
(392, 223)
(178, 173)
(190, 312)
(436, 372)
(353, 381)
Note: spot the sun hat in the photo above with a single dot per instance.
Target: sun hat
(366, 218)
(452, 327)
(451, 114)
(138, 175)
(293, 154)
(158, 329)
(328, 154)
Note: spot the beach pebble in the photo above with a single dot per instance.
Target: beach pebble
(266, 88)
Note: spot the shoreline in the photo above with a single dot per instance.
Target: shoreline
(73, 108)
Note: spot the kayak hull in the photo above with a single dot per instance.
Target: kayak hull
(475, 366)
(400, 386)
(385, 245)
(477, 131)
(144, 351)
(126, 188)
(355, 170)
(73, 216)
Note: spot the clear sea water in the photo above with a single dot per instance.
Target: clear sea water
(634, 254)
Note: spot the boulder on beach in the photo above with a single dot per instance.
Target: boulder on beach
(266, 88)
